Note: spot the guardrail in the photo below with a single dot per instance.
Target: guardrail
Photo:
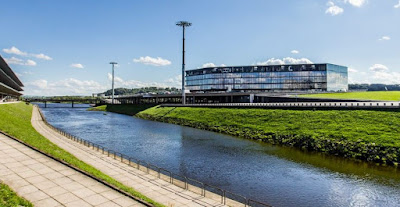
(201, 188)
(359, 105)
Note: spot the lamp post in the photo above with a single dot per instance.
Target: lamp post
(113, 63)
(183, 24)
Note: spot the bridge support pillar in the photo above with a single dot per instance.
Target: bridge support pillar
(72, 104)
(45, 104)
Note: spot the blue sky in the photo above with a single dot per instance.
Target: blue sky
(64, 47)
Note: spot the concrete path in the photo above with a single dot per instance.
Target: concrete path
(46, 182)
(149, 185)
(12, 102)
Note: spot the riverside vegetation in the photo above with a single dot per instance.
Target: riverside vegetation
(16, 121)
(366, 135)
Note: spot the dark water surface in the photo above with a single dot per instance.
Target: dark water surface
(279, 176)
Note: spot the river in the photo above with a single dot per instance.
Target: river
(279, 176)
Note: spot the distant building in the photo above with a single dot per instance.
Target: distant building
(269, 78)
(10, 85)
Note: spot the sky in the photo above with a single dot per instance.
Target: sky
(64, 47)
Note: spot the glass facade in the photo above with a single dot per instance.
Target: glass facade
(307, 77)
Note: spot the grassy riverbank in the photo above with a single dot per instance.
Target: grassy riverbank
(123, 109)
(16, 121)
(8, 198)
(369, 95)
(366, 135)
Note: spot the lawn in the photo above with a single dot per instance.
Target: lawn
(16, 121)
(131, 109)
(369, 95)
(355, 133)
(8, 198)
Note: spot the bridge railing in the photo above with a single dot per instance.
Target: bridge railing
(198, 187)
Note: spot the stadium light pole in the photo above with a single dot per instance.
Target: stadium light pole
(183, 24)
(113, 63)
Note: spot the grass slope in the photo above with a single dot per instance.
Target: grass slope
(16, 121)
(123, 109)
(370, 95)
(8, 198)
(367, 135)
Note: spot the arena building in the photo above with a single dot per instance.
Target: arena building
(269, 78)
(10, 85)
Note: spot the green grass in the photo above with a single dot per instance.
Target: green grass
(370, 95)
(16, 121)
(314, 130)
(8, 198)
(123, 109)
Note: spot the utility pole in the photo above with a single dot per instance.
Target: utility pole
(183, 24)
(113, 63)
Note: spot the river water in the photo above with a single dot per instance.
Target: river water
(279, 176)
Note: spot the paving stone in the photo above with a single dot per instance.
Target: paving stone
(66, 198)
(96, 199)
(111, 195)
(26, 189)
(36, 179)
(109, 204)
(58, 190)
(124, 201)
(36, 196)
(83, 193)
(78, 203)
(45, 185)
(48, 202)
(73, 186)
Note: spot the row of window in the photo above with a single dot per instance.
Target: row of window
(256, 80)
(258, 75)
(260, 86)
(249, 69)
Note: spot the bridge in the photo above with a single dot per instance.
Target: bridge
(73, 101)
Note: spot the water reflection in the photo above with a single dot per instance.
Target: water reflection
(277, 175)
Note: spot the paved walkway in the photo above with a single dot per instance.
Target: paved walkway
(12, 102)
(46, 182)
(149, 185)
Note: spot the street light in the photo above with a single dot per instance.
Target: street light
(183, 24)
(113, 63)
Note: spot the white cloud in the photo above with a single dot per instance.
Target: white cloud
(208, 65)
(379, 68)
(294, 52)
(333, 9)
(17, 61)
(152, 61)
(384, 38)
(397, 5)
(77, 65)
(41, 84)
(352, 70)
(42, 56)
(170, 82)
(356, 3)
(68, 86)
(284, 61)
(16, 51)
(30, 62)
(386, 77)
(223, 65)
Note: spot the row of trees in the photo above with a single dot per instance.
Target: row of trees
(156, 90)
(374, 87)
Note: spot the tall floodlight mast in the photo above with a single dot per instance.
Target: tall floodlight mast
(183, 24)
(113, 63)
